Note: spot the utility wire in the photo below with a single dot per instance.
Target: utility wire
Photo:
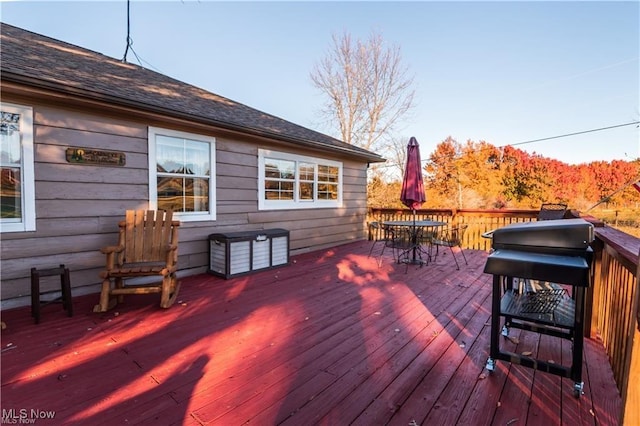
(555, 137)
(608, 197)
(537, 140)
(571, 134)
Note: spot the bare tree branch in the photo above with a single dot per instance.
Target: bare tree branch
(367, 88)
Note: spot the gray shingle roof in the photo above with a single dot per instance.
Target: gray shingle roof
(33, 59)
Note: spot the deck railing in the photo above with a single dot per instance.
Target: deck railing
(615, 313)
(478, 221)
(613, 310)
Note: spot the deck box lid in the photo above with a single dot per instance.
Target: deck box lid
(248, 235)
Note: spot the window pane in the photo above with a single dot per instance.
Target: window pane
(10, 152)
(327, 174)
(306, 171)
(197, 157)
(279, 169)
(278, 190)
(10, 193)
(169, 154)
(170, 192)
(196, 195)
(9, 122)
(10, 155)
(327, 191)
(306, 191)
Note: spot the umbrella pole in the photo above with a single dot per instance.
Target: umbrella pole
(414, 236)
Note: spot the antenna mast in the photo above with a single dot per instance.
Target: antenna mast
(124, 58)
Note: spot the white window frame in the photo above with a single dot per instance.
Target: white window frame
(153, 178)
(28, 198)
(296, 203)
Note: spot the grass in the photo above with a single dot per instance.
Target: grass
(627, 220)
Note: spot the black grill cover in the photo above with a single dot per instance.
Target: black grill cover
(551, 250)
(562, 236)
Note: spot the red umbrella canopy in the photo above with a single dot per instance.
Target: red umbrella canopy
(412, 194)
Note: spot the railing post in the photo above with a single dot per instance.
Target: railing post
(594, 293)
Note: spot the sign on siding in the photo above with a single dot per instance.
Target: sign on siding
(95, 157)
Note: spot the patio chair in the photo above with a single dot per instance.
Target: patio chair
(147, 247)
(424, 241)
(552, 211)
(396, 238)
(375, 229)
(451, 237)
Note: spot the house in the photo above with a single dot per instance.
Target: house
(86, 137)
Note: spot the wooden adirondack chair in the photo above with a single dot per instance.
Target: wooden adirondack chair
(147, 247)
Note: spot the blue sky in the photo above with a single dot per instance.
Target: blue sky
(502, 72)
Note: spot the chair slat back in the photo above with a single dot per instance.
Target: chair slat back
(147, 234)
(457, 233)
(552, 211)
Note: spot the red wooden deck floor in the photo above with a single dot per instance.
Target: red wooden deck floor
(331, 339)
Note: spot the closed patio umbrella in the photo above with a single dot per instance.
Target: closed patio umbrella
(412, 194)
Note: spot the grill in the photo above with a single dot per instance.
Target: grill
(540, 273)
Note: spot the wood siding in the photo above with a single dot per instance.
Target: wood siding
(78, 206)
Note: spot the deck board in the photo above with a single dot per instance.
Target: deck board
(330, 339)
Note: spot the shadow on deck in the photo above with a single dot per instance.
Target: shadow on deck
(330, 339)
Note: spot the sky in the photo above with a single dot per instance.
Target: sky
(502, 72)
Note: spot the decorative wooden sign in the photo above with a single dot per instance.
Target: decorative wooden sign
(95, 157)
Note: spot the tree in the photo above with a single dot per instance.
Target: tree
(443, 173)
(465, 176)
(367, 87)
(481, 177)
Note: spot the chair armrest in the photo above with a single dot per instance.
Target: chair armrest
(111, 249)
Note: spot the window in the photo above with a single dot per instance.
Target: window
(182, 174)
(17, 195)
(288, 181)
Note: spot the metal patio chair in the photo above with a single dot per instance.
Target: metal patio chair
(397, 239)
(552, 211)
(451, 237)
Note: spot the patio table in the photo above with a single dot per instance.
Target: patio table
(414, 227)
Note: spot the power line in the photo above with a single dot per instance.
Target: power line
(427, 160)
(558, 136)
(571, 134)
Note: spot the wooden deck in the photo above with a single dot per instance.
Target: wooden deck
(330, 339)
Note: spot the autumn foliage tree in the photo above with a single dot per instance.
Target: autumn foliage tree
(480, 175)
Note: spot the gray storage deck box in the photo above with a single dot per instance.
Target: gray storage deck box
(237, 253)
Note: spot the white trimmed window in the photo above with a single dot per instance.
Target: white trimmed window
(17, 194)
(182, 174)
(288, 181)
